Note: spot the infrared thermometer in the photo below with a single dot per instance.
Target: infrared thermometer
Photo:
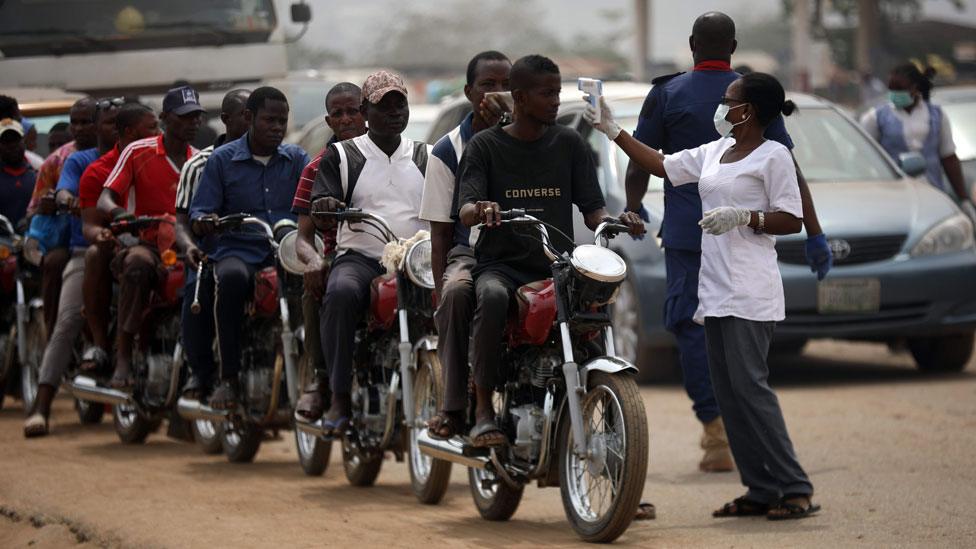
(594, 88)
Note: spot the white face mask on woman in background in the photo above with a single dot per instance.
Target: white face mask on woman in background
(723, 126)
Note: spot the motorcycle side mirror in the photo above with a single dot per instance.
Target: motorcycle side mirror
(912, 163)
(301, 13)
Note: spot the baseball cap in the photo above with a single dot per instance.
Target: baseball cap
(182, 100)
(11, 125)
(381, 83)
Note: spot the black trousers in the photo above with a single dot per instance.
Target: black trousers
(345, 302)
(198, 329)
(234, 289)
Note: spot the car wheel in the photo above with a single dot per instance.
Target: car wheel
(948, 353)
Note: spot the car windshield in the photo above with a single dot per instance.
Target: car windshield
(962, 119)
(829, 147)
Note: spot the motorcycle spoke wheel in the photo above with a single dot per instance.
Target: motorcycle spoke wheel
(428, 476)
(601, 489)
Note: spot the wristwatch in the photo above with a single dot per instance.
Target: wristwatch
(761, 225)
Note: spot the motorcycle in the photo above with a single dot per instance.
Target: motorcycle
(157, 359)
(23, 334)
(269, 357)
(395, 341)
(569, 407)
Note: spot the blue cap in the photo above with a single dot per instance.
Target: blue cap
(182, 100)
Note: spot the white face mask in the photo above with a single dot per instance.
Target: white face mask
(723, 126)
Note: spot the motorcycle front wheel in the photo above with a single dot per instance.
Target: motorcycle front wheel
(601, 491)
(31, 369)
(131, 426)
(428, 476)
(313, 452)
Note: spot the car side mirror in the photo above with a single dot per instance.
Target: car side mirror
(301, 13)
(912, 163)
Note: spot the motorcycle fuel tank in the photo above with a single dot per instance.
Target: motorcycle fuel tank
(383, 302)
(536, 313)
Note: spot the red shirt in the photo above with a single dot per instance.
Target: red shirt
(301, 206)
(144, 167)
(93, 179)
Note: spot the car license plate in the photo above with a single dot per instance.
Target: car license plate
(849, 295)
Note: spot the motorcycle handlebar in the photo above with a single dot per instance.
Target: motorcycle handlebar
(357, 215)
(141, 222)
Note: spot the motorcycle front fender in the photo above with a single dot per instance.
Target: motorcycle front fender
(608, 364)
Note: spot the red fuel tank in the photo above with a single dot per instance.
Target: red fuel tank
(266, 292)
(172, 285)
(536, 314)
(383, 302)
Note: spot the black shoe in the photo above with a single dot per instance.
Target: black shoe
(197, 387)
(224, 396)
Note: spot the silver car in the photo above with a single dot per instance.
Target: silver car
(905, 259)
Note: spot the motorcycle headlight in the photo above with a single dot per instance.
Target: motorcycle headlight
(418, 264)
(955, 234)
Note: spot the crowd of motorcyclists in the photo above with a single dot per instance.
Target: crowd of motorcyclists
(425, 301)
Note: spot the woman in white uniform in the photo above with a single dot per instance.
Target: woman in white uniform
(749, 193)
(909, 123)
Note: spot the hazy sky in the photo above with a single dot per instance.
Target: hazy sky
(351, 27)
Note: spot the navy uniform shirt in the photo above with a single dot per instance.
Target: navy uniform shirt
(233, 181)
(16, 186)
(677, 115)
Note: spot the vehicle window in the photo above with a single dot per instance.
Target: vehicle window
(447, 121)
(829, 147)
(962, 120)
(655, 184)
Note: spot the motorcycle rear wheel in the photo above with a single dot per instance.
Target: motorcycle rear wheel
(208, 436)
(131, 426)
(360, 471)
(616, 466)
(89, 413)
(242, 443)
(429, 477)
(494, 499)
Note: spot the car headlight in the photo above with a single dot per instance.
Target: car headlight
(955, 234)
(419, 266)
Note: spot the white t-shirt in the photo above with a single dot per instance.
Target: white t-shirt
(390, 186)
(739, 274)
(915, 126)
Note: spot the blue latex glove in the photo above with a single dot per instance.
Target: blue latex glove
(646, 217)
(819, 256)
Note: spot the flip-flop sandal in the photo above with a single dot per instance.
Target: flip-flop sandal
(35, 426)
(741, 507)
(94, 360)
(123, 384)
(443, 420)
(480, 439)
(792, 511)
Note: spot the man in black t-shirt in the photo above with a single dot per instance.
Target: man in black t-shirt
(532, 164)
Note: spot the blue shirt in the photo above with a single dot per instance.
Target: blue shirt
(70, 180)
(16, 187)
(677, 115)
(448, 151)
(233, 181)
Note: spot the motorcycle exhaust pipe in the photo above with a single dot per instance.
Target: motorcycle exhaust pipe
(194, 409)
(87, 389)
(449, 450)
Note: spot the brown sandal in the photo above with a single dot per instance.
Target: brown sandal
(444, 425)
(311, 405)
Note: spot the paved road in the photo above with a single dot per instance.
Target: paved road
(891, 452)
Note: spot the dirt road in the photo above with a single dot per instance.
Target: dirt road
(892, 454)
